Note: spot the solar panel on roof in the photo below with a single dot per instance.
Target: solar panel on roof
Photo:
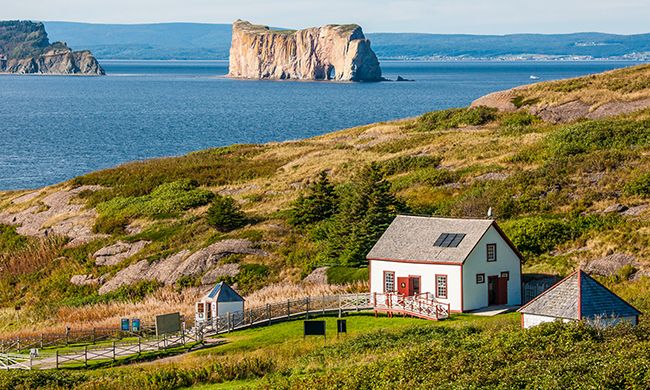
(449, 240)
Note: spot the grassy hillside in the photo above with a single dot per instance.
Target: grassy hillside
(383, 353)
(567, 194)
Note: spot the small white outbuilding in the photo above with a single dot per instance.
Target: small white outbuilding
(578, 297)
(219, 302)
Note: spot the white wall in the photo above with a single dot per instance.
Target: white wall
(475, 295)
(530, 320)
(221, 309)
(427, 273)
(534, 319)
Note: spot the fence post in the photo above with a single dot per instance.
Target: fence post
(18, 344)
(165, 341)
(139, 345)
(340, 309)
(268, 312)
(113, 344)
(57, 360)
(85, 356)
(67, 335)
(41, 340)
(93, 335)
(307, 307)
(323, 297)
(288, 308)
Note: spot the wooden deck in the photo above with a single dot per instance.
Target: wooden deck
(420, 305)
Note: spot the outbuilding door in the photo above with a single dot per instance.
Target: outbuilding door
(497, 290)
(408, 285)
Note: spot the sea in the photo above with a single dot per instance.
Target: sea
(53, 128)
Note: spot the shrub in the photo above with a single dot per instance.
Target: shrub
(252, 277)
(639, 186)
(455, 117)
(517, 123)
(225, 214)
(408, 163)
(166, 200)
(598, 135)
(10, 240)
(345, 275)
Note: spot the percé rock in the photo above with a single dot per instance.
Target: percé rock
(26, 49)
(332, 52)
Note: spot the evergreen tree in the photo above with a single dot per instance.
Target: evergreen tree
(319, 204)
(363, 218)
(225, 214)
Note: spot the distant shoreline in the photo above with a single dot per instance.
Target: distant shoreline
(403, 60)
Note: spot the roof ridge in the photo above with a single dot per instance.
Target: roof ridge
(446, 217)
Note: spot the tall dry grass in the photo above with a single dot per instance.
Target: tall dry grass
(36, 255)
(280, 292)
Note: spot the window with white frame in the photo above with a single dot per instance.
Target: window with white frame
(441, 286)
(389, 281)
(491, 250)
(480, 278)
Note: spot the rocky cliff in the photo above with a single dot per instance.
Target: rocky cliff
(26, 49)
(332, 52)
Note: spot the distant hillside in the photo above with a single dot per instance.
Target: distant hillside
(212, 41)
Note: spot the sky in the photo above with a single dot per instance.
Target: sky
(432, 16)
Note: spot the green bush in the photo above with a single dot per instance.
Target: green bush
(225, 214)
(517, 123)
(408, 163)
(455, 117)
(541, 234)
(639, 186)
(345, 275)
(166, 200)
(252, 277)
(10, 240)
(589, 136)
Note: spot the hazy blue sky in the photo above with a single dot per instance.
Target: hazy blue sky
(436, 16)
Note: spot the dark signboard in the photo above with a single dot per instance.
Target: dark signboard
(168, 323)
(125, 325)
(314, 328)
(341, 326)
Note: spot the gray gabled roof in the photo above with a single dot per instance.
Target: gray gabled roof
(224, 293)
(579, 296)
(411, 238)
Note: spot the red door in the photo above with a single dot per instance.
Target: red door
(404, 286)
(497, 290)
(502, 291)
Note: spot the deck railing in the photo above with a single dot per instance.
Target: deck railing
(422, 305)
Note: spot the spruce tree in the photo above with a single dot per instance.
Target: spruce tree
(319, 204)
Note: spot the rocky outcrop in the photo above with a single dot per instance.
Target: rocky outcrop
(183, 263)
(116, 253)
(332, 52)
(25, 49)
(55, 214)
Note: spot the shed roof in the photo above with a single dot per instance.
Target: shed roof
(222, 292)
(579, 296)
(412, 238)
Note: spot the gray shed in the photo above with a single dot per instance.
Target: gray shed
(578, 297)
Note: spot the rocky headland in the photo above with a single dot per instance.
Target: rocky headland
(332, 52)
(26, 49)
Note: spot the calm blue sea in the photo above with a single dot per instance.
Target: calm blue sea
(54, 128)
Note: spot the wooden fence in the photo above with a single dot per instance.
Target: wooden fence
(15, 362)
(70, 337)
(283, 311)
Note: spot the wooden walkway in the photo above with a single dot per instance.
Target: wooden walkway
(284, 311)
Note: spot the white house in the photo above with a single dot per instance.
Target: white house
(578, 297)
(220, 301)
(466, 263)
